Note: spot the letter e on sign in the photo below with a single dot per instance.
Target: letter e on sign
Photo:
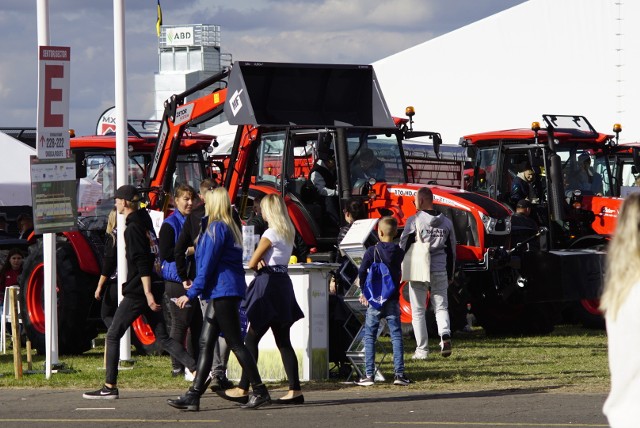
(52, 95)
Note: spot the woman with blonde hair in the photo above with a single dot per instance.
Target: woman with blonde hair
(619, 302)
(108, 272)
(271, 302)
(220, 280)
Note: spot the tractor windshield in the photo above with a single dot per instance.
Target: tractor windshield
(375, 154)
(96, 189)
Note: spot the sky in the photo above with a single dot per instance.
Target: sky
(310, 31)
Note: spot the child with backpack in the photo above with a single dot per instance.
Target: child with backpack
(379, 275)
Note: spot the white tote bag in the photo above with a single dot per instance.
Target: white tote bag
(416, 265)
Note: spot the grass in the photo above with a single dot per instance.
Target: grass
(571, 359)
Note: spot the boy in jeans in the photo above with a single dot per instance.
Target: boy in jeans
(391, 255)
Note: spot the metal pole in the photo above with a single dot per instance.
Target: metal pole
(49, 239)
(122, 158)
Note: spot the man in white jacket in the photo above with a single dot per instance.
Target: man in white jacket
(437, 229)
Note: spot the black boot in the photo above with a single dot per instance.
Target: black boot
(189, 401)
(260, 397)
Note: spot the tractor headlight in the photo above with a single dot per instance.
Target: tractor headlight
(496, 226)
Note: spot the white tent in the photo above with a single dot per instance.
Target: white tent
(543, 56)
(15, 184)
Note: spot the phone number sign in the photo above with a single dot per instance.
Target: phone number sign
(53, 102)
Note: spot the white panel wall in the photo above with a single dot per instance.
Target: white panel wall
(505, 71)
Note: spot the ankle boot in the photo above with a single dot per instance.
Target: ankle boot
(260, 397)
(189, 401)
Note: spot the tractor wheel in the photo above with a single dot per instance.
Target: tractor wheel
(500, 315)
(74, 293)
(504, 318)
(143, 339)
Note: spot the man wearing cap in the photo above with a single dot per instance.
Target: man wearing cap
(522, 185)
(522, 225)
(139, 298)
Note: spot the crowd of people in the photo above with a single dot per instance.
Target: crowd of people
(196, 264)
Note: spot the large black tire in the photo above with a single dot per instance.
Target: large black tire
(500, 314)
(77, 320)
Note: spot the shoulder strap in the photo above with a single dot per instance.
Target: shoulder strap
(418, 226)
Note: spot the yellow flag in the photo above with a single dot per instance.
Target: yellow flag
(159, 20)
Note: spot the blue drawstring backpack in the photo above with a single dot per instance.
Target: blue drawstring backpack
(379, 284)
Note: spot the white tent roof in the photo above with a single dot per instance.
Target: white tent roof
(543, 56)
(15, 184)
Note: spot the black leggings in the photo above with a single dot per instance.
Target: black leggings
(222, 315)
(281, 333)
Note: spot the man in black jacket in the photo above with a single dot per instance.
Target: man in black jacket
(139, 298)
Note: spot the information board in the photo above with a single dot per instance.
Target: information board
(53, 194)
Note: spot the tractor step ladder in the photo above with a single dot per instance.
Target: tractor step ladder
(355, 353)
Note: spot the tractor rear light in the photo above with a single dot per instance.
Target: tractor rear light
(535, 126)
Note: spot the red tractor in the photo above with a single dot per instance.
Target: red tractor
(564, 270)
(79, 253)
(282, 109)
(278, 108)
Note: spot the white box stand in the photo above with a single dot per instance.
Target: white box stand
(309, 336)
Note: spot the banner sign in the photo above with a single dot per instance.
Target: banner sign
(180, 36)
(52, 135)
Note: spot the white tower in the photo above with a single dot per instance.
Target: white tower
(187, 55)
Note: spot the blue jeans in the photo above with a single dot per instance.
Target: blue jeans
(390, 311)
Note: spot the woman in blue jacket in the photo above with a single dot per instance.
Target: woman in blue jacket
(220, 280)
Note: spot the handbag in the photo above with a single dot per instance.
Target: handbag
(379, 285)
(416, 265)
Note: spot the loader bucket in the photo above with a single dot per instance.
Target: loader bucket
(305, 95)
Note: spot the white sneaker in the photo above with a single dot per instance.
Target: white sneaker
(420, 355)
(189, 376)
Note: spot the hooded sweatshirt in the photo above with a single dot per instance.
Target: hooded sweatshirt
(438, 230)
(141, 250)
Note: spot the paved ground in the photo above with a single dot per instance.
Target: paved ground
(350, 406)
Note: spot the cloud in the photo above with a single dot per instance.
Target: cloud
(321, 31)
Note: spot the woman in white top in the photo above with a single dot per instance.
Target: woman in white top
(270, 302)
(620, 301)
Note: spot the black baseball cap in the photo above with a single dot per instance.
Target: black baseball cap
(128, 193)
(523, 203)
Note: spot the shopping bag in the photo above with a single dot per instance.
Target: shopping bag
(416, 265)
(379, 285)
